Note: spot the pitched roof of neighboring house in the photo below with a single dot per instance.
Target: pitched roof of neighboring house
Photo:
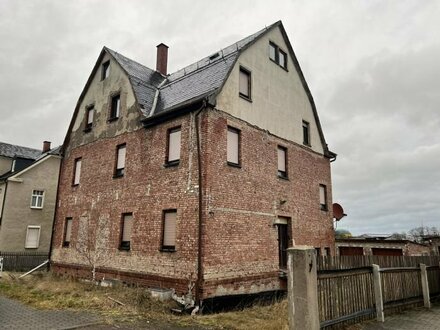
(54, 151)
(11, 151)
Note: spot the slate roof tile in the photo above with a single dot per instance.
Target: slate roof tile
(10, 150)
(194, 81)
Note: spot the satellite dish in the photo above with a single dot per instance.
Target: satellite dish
(338, 211)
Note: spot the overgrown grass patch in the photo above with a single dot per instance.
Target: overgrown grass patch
(46, 291)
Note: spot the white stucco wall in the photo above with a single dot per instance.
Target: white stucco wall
(279, 101)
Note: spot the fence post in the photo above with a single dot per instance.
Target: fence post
(425, 286)
(378, 293)
(302, 288)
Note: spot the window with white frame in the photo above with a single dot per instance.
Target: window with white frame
(120, 160)
(37, 199)
(233, 146)
(76, 171)
(32, 237)
(174, 140)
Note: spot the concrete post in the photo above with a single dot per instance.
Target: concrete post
(425, 286)
(302, 288)
(378, 293)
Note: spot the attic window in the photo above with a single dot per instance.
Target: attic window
(245, 84)
(115, 109)
(277, 55)
(105, 70)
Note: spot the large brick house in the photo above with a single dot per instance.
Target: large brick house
(205, 175)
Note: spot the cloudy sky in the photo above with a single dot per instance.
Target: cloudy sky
(373, 68)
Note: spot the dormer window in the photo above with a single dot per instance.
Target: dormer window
(105, 70)
(277, 55)
(115, 109)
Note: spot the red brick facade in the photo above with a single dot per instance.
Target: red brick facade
(240, 205)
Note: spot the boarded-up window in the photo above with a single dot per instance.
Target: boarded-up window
(169, 230)
(77, 171)
(323, 197)
(120, 160)
(282, 162)
(245, 83)
(37, 199)
(115, 107)
(174, 135)
(127, 224)
(32, 237)
(233, 146)
(67, 232)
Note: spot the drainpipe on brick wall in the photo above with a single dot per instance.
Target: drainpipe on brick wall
(200, 247)
(4, 200)
(55, 213)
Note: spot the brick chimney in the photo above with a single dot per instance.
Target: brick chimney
(46, 146)
(162, 58)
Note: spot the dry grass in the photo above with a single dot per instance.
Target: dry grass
(46, 291)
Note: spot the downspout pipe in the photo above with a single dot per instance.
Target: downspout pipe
(200, 216)
(4, 200)
(57, 198)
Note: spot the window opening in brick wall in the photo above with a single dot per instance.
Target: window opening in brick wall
(169, 230)
(120, 160)
(233, 146)
(173, 146)
(323, 197)
(67, 232)
(126, 228)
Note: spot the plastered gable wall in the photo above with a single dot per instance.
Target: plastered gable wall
(279, 101)
(99, 94)
(18, 214)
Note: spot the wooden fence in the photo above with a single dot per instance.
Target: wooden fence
(22, 261)
(346, 286)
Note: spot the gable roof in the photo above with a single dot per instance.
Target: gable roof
(191, 83)
(11, 151)
(158, 96)
(52, 152)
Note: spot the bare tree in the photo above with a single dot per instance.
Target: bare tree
(92, 242)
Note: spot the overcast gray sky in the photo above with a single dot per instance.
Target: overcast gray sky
(373, 68)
